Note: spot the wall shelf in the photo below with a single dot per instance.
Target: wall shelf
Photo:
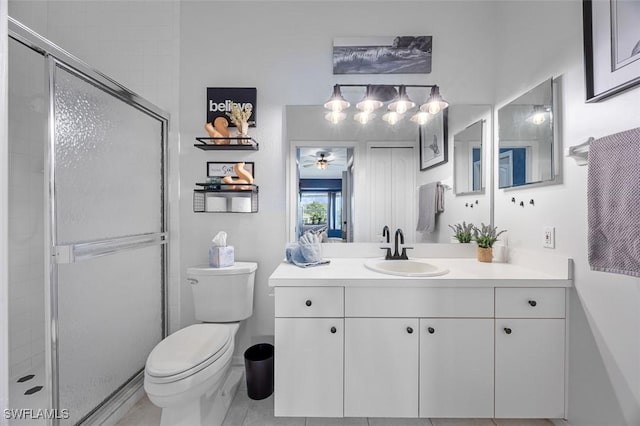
(225, 198)
(236, 143)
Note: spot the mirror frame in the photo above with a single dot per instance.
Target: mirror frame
(483, 167)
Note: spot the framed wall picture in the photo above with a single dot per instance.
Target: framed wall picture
(611, 47)
(220, 99)
(222, 169)
(434, 148)
(382, 55)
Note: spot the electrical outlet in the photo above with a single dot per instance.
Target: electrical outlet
(549, 237)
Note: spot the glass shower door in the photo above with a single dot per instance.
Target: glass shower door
(107, 286)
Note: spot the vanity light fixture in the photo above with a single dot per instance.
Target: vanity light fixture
(375, 97)
(402, 104)
(337, 102)
(435, 103)
(370, 102)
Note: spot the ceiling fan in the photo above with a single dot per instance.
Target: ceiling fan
(323, 159)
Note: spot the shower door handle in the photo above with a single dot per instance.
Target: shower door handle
(72, 253)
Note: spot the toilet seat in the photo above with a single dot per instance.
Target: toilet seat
(188, 351)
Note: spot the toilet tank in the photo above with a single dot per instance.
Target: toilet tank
(223, 294)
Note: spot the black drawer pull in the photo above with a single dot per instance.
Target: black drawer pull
(431, 330)
(532, 303)
(507, 330)
(409, 330)
(333, 330)
(308, 303)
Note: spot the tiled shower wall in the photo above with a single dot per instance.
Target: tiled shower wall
(26, 211)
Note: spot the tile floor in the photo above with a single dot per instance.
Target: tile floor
(247, 412)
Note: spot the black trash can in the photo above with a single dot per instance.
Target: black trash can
(258, 364)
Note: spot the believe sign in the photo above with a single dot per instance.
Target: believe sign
(219, 100)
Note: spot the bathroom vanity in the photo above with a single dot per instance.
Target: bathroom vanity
(484, 340)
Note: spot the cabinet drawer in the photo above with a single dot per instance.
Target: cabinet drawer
(419, 302)
(530, 303)
(309, 301)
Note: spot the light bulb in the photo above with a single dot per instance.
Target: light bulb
(392, 117)
(363, 117)
(335, 116)
(432, 107)
(538, 118)
(369, 105)
(402, 103)
(420, 117)
(435, 103)
(402, 107)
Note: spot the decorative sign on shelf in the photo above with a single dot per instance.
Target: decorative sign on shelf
(220, 99)
(220, 169)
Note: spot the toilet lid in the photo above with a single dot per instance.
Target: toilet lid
(195, 346)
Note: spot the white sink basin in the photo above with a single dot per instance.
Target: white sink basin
(406, 268)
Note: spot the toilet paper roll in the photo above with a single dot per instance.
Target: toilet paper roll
(215, 204)
(241, 204)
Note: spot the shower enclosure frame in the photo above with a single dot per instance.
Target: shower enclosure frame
(54, 254)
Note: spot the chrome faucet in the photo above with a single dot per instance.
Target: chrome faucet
(387, 233)
(396, 254)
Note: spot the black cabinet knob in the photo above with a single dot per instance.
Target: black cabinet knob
(308, 303)
(431, 330)
(333, 330)
(409, 330)
(532, 303)
(507, 330)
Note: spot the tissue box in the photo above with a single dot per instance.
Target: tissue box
(219, 257)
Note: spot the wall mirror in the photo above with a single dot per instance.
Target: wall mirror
(470, 142)
(369, 180)
(372, 176)
(467, 166)
(528, 151)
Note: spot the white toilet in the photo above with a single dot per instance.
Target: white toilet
(188, 374)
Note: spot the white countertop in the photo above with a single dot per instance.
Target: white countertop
(463, 272)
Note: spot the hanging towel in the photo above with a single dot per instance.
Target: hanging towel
(427, 207)
(613, 197)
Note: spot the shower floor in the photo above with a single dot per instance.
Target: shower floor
(35, 401)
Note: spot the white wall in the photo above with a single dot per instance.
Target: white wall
(135, 43)
(4, 218)
(538, 40)
(284, 50)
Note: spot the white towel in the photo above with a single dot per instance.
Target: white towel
(613, 197)
(427, 207)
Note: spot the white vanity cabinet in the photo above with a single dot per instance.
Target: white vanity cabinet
(458, 348)
(456, 367)
(381, 367)
(530, 353)
(309, 352)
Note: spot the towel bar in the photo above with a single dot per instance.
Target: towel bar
(580, 153)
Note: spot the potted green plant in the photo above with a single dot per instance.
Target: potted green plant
(486, 236)
(462, 232)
